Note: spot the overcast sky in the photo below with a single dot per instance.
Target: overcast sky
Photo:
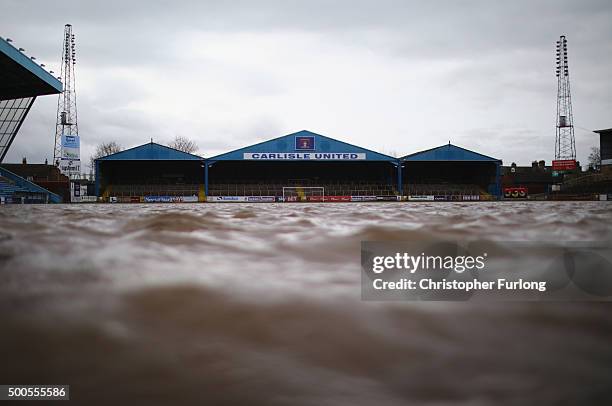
(393, 76)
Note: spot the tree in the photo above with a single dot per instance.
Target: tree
(183, 144)
(103, 149)
(595, 158)
(106, 148)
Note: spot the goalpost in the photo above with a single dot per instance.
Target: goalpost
(303, 194)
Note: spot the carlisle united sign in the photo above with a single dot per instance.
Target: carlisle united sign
(304, 156)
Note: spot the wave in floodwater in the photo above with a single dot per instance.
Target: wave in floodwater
(260, 304)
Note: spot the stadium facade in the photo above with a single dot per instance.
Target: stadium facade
(449, 172)
(299, 167)
(21, 81)
(150, 173)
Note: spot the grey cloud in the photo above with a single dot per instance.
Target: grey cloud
(489, 63)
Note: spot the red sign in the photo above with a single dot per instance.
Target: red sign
(564, 165)
(515, 192)
(328, 198)
(337, 198)
(320, 198)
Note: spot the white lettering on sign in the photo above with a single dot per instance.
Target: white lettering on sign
(304, 156)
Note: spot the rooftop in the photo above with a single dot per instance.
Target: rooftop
(606, 131)
(21, 77)
(151, 151)
(448, 152)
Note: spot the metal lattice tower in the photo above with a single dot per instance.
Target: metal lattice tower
(565, 143)
(66, 104)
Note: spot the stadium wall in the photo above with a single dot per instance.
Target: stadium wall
(302, 166)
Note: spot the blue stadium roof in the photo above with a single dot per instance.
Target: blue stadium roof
(21, 77)
(149, 152)
(300, 146)
(448, 152)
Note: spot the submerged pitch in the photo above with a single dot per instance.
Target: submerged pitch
(183, 301)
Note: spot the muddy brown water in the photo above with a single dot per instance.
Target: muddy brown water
(259, 304)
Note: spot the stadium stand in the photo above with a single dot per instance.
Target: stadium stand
(305, 163)
(453, 173)
(45, 176)
(21, 81)
(150, 172)
(15, 189)
(302, 166)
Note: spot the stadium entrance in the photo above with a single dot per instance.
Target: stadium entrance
(450, 173)
(302, 167)
(150, 173)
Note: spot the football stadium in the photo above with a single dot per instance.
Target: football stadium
(299, 167)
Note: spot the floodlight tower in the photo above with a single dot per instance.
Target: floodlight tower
(66, 124)
(565, 144)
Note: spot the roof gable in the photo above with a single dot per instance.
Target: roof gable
(448, 152)
(315, 144)
(149, 152)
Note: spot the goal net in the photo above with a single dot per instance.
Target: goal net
(303, 194)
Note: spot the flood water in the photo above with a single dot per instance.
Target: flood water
(260, 304)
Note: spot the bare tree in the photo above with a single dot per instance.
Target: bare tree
(183, 144)
(103, 149)
(595, 158)
(106, 148)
